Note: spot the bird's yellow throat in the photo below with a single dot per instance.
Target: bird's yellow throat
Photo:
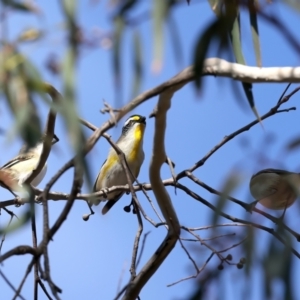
(138, 136)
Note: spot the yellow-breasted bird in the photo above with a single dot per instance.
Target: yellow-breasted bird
(275, 189)
(14, 173)
(111, 172)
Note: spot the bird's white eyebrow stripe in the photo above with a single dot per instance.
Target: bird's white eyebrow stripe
(133, 118)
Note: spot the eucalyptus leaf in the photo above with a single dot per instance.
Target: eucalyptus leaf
(159, 13)
(254, 31)
(137, 63)
(215, 31)
(231, 182)
(23, 6)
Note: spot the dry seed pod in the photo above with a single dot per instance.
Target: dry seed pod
(275, 189)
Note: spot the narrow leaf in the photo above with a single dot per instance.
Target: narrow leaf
(255, 32)
(175, 40)
(159, 12)
(293, 144)
(24, 6)
(249, 94)
(231, 182)
(137, 63)
(118, 34)
(126, 6)
(214, 31)
(216, 6)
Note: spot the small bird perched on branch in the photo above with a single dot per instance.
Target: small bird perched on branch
(275, 189)
(15, 172)
(111, 172)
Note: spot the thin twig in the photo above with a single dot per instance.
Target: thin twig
(28, 270)
(198, 271)
(34, 245)
(10, 284)
(142, 248)
(274, 110)
(9, 222)
(227, 216)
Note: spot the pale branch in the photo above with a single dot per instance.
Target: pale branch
(239, 72)
(158, 158)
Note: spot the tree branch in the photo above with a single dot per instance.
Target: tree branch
(162, 197)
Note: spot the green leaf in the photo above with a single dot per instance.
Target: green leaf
(217, 30)
(137, 63)
(18, 94)
(216, 6)
(277, 264)
(118, 34)
(126, 6)
(293, 144)
(249, 94)
(175, 40)
(21, 6)
(233, 22)
(70, 8)
(249, 246)
(255, 32)
(30, 35)
(159, 13)
(294, 4)
(231, 182)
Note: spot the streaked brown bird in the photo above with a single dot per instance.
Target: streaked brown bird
(15, 172)
(275, 189)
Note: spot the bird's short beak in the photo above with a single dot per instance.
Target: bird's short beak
(143, 120)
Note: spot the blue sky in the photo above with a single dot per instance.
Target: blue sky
(89, 259)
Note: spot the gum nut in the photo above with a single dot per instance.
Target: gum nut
(85, 217)
(275, 190)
